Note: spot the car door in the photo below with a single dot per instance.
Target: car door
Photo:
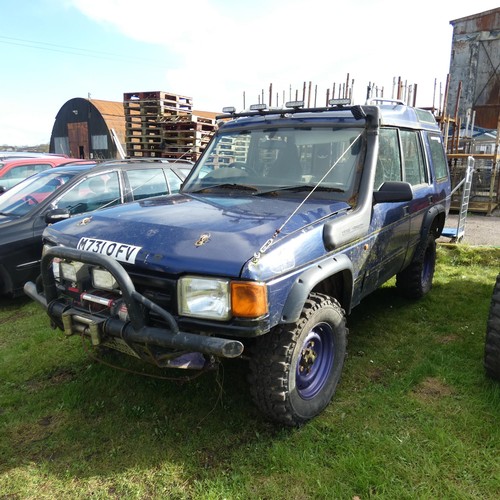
(416, 173)
(21, 237)
(390, 221)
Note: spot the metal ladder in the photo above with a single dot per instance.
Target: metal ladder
(456, 234)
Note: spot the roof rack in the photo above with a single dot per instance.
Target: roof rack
(294, 107)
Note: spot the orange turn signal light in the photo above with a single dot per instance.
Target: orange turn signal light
(248, 299)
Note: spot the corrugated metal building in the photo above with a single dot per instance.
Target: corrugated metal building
(475, 62)
(89, 128)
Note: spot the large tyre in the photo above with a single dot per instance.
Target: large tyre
(492, 345)
(416, 279)
(295, 369)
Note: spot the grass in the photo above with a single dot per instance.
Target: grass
(414, 415)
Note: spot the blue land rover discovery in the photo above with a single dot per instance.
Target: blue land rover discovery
(290, 217)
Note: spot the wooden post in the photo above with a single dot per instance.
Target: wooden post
(446, 92)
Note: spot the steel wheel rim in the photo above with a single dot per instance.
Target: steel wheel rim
(427, 266)
(315, 361)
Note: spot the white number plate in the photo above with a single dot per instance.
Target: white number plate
(118, 251)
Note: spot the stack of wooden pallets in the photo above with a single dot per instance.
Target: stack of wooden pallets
(161, 124)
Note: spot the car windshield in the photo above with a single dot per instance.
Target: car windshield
(281, 161)
(26, 195)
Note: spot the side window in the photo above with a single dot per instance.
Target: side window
(40, 168)
(24, 171)
(174, 182)
(92, 193)
(414, 165)
(389, 158)
(147, 182)
(17, 173)
(437, 155)
(10, 174)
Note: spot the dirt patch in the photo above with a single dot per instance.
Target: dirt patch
(25, 435)
(14, 317)
(375, 374)
(447, 339)
(432, 389)
(55, 378)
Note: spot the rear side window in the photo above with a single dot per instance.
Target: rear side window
(389, 158)
(174, 181)
(414, 165)
(147, 182)
(437, 155)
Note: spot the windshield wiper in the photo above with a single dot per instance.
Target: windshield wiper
(303, 187)
(8, 213)
(236, 187)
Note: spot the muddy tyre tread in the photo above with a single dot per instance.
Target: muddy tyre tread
(415, 280)
(492, 344)
(270, 363)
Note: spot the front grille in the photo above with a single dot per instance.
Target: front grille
(160, 290)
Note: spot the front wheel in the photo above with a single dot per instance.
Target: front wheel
(295, 368)
(416, 280)
(492, 345)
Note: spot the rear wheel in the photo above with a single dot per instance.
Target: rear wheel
(416, 280)
(295, 369)
(492, 346)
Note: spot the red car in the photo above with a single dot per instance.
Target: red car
(15, 170)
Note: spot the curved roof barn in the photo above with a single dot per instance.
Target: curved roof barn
(89, 128)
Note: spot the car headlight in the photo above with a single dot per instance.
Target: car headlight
(221, 299)
(204, 298)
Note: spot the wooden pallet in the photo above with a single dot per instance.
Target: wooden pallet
(162, 124)
(156, 103)
(154, 96)
(485, 207)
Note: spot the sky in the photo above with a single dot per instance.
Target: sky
(218, 52)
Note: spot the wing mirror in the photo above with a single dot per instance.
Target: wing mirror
(393, 191)
(57, 215)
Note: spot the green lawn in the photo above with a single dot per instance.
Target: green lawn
(414, 415)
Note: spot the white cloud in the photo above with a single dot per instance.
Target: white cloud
(217, 49)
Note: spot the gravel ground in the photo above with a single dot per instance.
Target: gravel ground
(481, 230)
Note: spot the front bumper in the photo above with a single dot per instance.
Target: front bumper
(133, 332)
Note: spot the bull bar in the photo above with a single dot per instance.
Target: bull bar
(73, 321)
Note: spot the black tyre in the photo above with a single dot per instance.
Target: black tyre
(416, 280)
(492, 345)
(295, 369)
